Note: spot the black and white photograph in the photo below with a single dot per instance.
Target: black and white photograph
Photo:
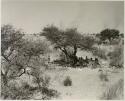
(62, 50)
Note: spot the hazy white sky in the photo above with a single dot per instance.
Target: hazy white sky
(88, 17)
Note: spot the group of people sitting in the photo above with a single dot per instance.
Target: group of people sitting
(87, 61)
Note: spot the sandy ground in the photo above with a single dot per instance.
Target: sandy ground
(86, 83)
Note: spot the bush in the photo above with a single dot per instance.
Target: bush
(115, 41)
(115, 92)
(67, 81)
(87, 42)
(49, 93)
(25, 92)
(13, 92)
(117, 57)
(103, 76)
(99, 52)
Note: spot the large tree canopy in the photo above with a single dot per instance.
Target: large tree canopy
(62, 39)
(9, 37)
(109, 34)
(20, 56)
(17, 52)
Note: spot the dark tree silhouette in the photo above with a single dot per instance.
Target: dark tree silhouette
(122, 35)
(62, 39)
(109, 34)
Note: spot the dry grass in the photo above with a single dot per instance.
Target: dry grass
(100, 53)
(117, 56)
(13, 92)
(115, 92)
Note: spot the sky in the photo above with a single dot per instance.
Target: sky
(89, 17)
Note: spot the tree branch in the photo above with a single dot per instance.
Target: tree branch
(22, 72)
(5, 57)
(75, 50)
(10, 53)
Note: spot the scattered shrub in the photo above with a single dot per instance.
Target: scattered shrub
(115, 92)
(13, 92)
(25, 91)
(115, 41)
(49, 93)
(67, 81)
(103, 76)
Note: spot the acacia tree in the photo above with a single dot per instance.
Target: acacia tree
(16, 52)
(30, 56)
(109, 34)
(62, 39)
(10, 40)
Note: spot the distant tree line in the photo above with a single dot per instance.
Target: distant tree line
(109, 35)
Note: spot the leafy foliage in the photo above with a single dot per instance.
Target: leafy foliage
(109, 34)
(18, 54)
(10, 37)
(63, 39)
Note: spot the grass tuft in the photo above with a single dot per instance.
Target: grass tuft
(103, 76)
(115, 92)
(67, 81)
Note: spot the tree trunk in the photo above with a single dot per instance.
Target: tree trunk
(65, 52)
(75, 60)
(4, 78)
(70, 57)
(75, 50)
